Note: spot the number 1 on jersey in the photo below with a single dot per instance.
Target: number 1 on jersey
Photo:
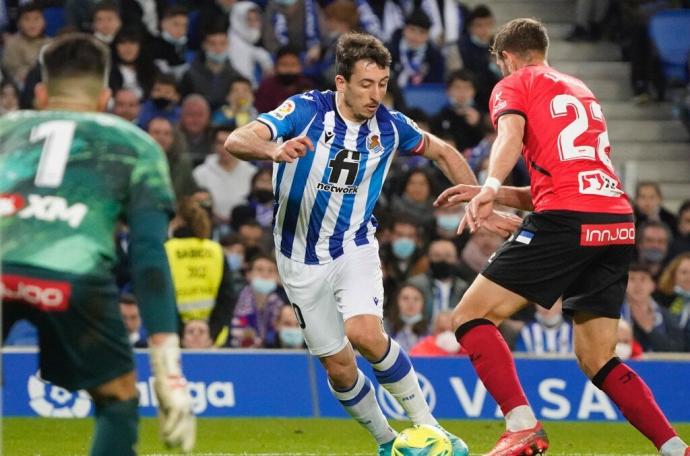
(58, 135)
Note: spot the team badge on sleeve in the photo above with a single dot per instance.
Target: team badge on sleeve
(283, 110)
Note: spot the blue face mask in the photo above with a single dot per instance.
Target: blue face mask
(448, 222)
(234, 261)
(263, 286)
(181, 41)
(291, 338)
(403, 248)
(216, 57)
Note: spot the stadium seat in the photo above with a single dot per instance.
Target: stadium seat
(430, 98)
(669, 32)
(55, 19)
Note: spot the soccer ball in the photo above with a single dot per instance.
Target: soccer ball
(422, 440)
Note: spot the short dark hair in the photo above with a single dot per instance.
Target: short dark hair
(353, 47)
(222, 128)
(479, 12)
(639, 267)
(654, 185)
(29, 8)
(418, 18)
(74, 55)
(241, 79)
(165, 79)
(460, 75)
(287, 50)
(174, 10)
(520, 36)
(685, 206)
(653, 224)
(105, 5)
(259, 256)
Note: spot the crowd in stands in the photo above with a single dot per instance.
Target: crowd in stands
(190, 72)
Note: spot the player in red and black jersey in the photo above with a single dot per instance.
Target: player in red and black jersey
(577, 243)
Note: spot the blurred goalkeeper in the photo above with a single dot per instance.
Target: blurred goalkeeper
(67, 175)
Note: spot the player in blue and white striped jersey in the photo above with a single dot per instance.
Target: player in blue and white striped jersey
(332, 151)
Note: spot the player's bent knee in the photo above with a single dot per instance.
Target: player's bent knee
(341, 372)
(591, 362)
(122, 388)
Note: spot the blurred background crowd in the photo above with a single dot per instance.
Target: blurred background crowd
(190, 72)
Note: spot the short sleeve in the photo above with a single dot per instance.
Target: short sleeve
(150, 187)
(290, 118)
(410, 137)
(508, 97)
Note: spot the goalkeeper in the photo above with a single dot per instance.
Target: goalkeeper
(68, 175)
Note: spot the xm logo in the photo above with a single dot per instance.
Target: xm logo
(43, 208)
(49, 400)
(394, 410)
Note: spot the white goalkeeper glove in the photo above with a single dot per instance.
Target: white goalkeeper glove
(177, 420)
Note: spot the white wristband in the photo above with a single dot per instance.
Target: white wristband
(493, 183)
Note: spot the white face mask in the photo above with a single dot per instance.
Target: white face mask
(550, 321)
(446, 341)
(412, 320)
(623, 350)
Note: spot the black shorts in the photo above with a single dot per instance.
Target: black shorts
(583, 257)
(82, 338)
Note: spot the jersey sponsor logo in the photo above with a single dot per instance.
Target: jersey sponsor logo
(599, 183)
(283, 110)
(47, 209)
(11, 203)
(51, 401)
(607, 234)
(47, 295)
(499, 103)
(374, 144)
(344, 169)
(394, 410)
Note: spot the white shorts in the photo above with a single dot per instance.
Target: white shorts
(324, 296)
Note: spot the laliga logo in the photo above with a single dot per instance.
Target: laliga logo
(393, 409)
(48, 400)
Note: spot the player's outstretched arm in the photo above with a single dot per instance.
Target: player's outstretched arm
(253, 142)
(515, 197)
(449, 160)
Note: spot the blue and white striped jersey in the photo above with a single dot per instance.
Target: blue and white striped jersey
(325, 200)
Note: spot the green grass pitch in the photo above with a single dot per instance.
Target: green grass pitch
(301, 437)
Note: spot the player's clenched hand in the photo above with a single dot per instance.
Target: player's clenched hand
(177, 420)
(478, 210)
(292, 149)
(456, 195)
(502, 223)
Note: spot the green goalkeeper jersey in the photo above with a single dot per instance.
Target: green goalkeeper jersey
(66, 178)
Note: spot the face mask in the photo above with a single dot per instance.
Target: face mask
(286, 2)
(457, 105)
(161, 103)
(263, 286)
(263, 196)
(403, 248)
(234, 261)
(441, 269)
(652, 255)
(181, 41)
(551, 321)
(411, 320)
(291, 337)
(252, 35)
(446, 341)
(216, 57)
(623, 350)
(103, 37)
(681, 292)
(448, 222)
(287, 79)
(477, 41)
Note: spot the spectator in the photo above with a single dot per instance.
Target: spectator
(441, 287)
(549, 332)
(239, 110)
(221, 172)
(653, 241)
(22, 48)
(130, 315)
(106, 21)
(213, 14)
(294, 23)
(649, 206)
(380, 18)
(200, 274)
(681, 242)
(442, 341)
(254, 237)
(627, 347)
(235, 254)
(286, 82)
(674, 285)
(131, 68)
(447, 223)
(479, 248)
(406, 323)
(259, 204)
(211, 73)
(460, 119)
(126, 105)
(195, 125)
(258, 306)
(416, 200)
(403, 257)
(163, 102)
(170, 48)
(162, 130)
(196, 335)
(653, 326)
(475, 54)
(589, 18)
(9, 97)
(288, 329)
(416, 60)
(251, 60)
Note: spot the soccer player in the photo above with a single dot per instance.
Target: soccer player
(329, 169)
(67, 174)
(577, 243)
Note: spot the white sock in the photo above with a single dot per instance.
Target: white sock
(395, 373)
(673, 447)
(360, 402)
(520, 418)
